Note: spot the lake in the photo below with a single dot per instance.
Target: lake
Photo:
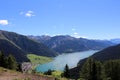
(60, 61)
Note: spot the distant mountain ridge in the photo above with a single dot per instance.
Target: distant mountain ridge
(66, 43)
(20, 46)
(116, 41)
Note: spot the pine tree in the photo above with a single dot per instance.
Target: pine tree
(2, 59)
(94, 72)
(12, 64)
(6, 62)
(86, 69)
(112, 69)
(66, 71)
(91, 70)
(49, 72)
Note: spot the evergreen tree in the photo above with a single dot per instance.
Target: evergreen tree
(19, 68)
(112, 69)
(6, 62)
(91, 70)
(12, 64)
(2, 59)
(49, 72)
(94, 72)
(100, 71)
(66, 72)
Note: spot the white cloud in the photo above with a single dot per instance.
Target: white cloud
(73, 29)
(4, 22)
(76, 35)
(47, 34)
(29, 14)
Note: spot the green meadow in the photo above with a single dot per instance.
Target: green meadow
(35, 59)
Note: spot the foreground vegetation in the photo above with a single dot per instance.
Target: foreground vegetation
(91, 69)
(95, 70)
(8, 62)
(7, 74)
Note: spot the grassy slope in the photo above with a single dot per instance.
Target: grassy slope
(57, 74)
(6, 74)
(7, 70)
(35, 59)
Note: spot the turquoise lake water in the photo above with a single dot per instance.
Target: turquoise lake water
(60, 61)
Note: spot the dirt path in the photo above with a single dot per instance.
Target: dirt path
(13, 76)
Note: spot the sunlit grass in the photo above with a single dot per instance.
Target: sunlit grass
(35, 59)
(57, 73)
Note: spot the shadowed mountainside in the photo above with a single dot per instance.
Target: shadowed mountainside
(20, 46)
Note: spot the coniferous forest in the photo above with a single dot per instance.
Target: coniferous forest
(96, 70)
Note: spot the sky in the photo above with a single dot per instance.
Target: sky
(93, 19)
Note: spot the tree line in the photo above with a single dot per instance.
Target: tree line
(95, 70)
(8, 62)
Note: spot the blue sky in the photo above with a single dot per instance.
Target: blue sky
(94, 19)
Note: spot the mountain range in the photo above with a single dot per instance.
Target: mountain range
(20, 45)
(66, 43)
(116, 41)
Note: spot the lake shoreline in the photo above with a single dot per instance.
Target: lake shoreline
(61, 60)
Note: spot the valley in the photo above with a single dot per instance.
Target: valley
(49, 55)
(59, 39)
